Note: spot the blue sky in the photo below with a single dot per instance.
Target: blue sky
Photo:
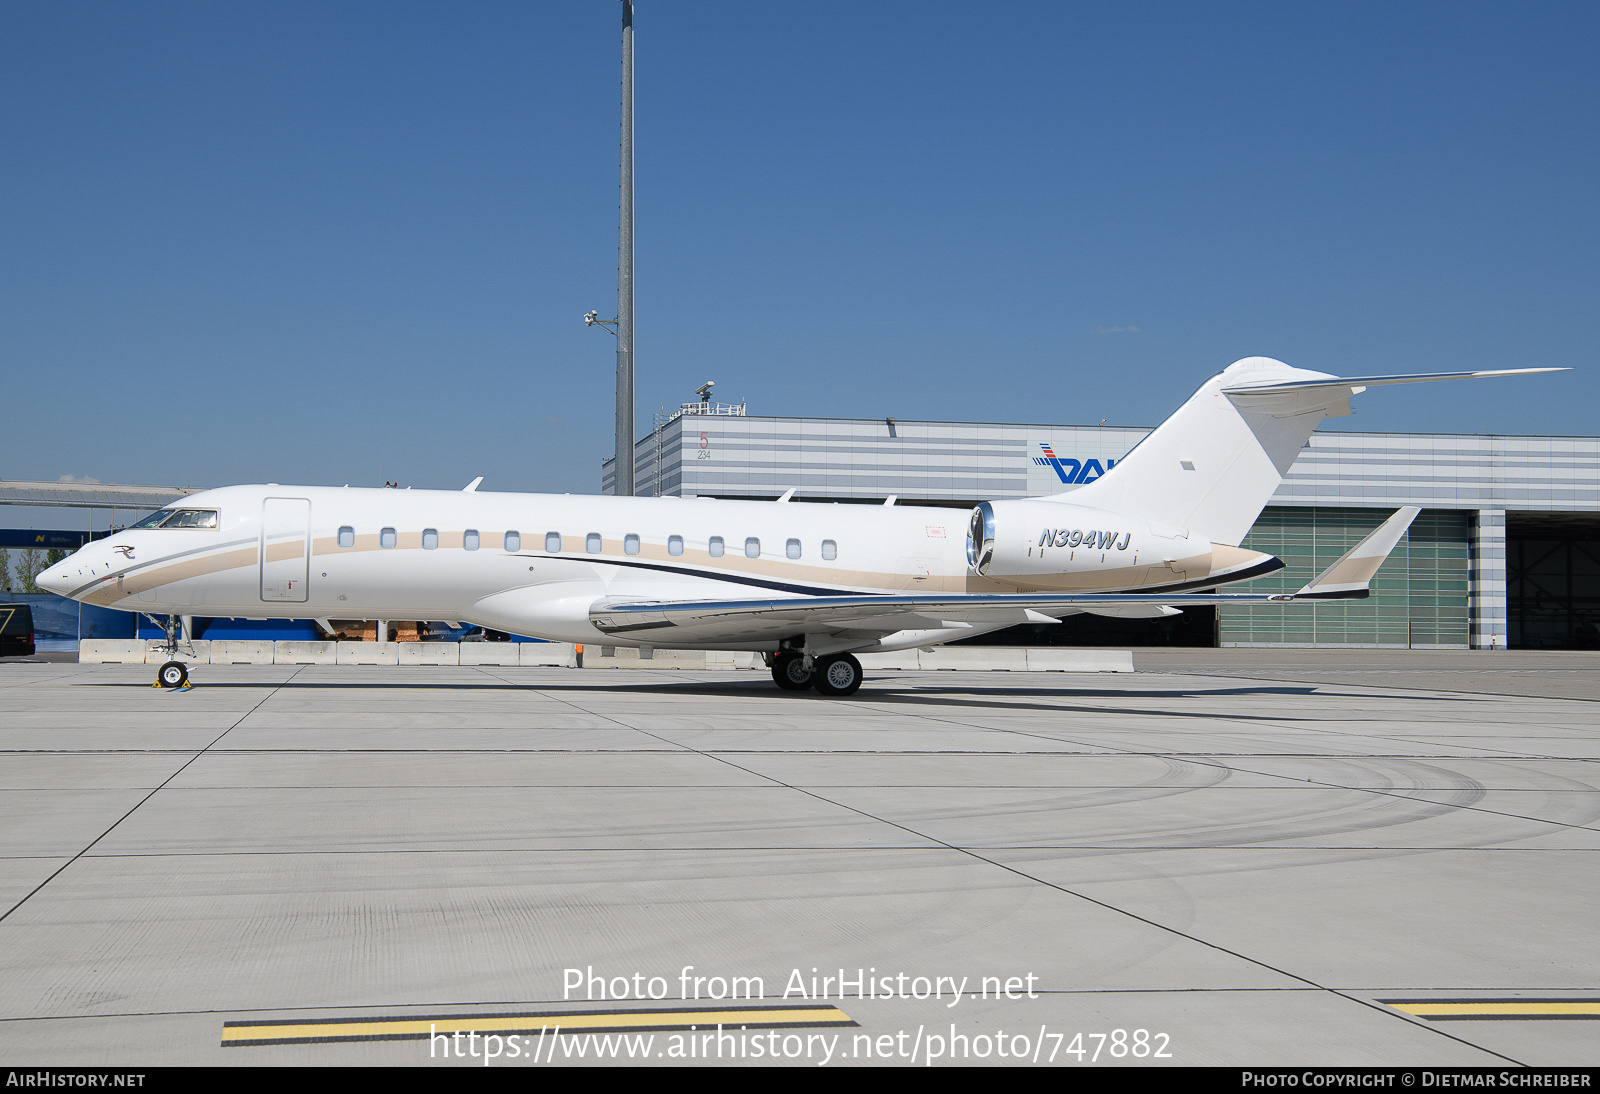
(350, 242)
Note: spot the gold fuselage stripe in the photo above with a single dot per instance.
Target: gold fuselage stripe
(158, 573)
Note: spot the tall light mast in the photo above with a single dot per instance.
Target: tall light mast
(624, 457)
(622, 325)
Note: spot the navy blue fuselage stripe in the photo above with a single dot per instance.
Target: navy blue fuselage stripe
(737, 579)
(1266, 567)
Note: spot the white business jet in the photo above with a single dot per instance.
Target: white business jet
(807, 585)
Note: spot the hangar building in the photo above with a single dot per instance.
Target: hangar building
(1506, 552)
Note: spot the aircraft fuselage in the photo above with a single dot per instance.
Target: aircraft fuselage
(535, 564)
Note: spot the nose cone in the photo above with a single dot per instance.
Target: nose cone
(58, 579)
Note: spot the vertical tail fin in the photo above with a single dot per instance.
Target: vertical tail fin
(1211, 467)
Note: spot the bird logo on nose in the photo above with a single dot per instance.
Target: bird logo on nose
(127, 552)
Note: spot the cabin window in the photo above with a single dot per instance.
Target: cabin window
(674, 545)
(752, 548)
(630, 544)
(591, 543)
(430, 539)
(386, 538)
(513, 541)
(714, 548)
(469, 539)
(347, 536)
(552, 542)
(792, 548)
(830, 550)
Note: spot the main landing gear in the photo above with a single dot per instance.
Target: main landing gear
(836, 675)
(789, 671)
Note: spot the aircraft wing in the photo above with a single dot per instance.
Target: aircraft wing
(874, 616)
(677, 621)
(1352, 574)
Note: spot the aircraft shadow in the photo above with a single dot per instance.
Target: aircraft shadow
(998, 698)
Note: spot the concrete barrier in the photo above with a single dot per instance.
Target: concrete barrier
(561, 655)
(135, 651)
(242, 652)
(1001, 659)
(429, 653)
(899, 659)
(1067, 660)
(624, 657)
(976, 659)
(490, 653)
(368, 653)
(305, 653)
(112, 651)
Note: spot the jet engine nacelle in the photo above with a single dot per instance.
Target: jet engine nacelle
(1018, 542)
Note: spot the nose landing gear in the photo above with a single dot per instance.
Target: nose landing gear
(174, 673)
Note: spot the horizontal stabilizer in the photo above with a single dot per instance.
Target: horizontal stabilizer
(1213, 465)
(1358, 382)
(1351, 576)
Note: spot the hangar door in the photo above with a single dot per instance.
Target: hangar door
(285, 550)
(1553, 581)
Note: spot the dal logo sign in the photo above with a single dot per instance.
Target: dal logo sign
(1072, 472)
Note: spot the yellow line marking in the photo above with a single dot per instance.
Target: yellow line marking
(363, 1029)
(1502, 1008)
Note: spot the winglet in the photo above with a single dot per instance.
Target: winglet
(1350, 577)
(472, 486)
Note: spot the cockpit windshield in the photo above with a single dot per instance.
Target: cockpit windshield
(192, 518)
(180, 518)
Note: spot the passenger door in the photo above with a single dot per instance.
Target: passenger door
(285, 550)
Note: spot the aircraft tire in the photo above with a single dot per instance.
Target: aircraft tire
(174, 674)
(837, 676)
(788, 672)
